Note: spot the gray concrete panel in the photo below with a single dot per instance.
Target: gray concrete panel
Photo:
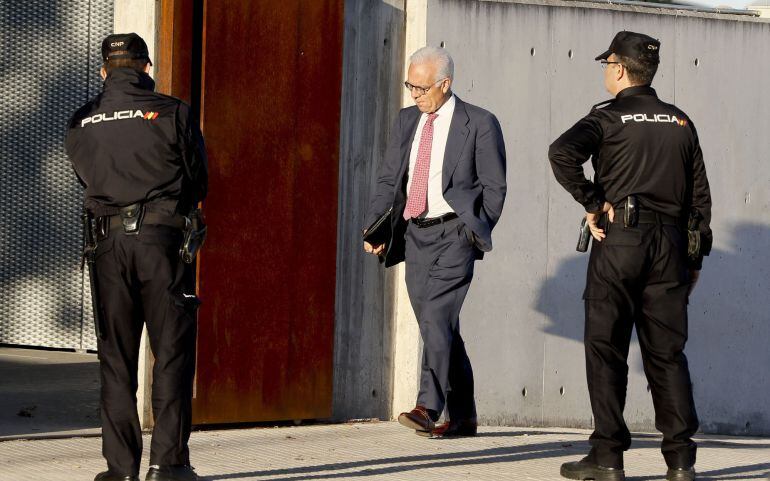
(523, 320)
(503, 337)
(371, 86)
(730, 319)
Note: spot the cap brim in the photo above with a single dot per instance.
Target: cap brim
(604, 56)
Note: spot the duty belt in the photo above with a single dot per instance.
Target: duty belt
(111, 222)
(423, 223)
(648, 217)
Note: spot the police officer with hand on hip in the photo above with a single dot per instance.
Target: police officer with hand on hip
(648, 209)
(141, 158)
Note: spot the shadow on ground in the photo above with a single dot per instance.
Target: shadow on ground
(414, 464)
(46, 392)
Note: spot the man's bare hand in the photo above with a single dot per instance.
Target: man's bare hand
(694, 275)
(376, 250)
(592, 218)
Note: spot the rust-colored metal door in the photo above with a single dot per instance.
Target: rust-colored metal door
(270, 107)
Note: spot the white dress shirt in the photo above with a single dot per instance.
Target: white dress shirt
(437, 206)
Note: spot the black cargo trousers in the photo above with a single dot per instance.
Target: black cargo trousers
(638, 276)
(142, 280)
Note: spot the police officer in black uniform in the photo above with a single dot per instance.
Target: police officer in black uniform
(141, 158)
(648, 209)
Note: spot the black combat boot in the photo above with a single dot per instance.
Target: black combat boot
(680, 474)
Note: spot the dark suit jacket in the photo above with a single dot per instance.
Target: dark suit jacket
(473, 177)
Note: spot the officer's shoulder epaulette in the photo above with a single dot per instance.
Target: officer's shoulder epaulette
(601, 105)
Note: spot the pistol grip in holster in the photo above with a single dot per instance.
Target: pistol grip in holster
(694, 235)
(693, 244)
(194, 236)
(585, 236)
(631, 212)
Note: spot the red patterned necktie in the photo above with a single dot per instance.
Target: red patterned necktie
(417, 200)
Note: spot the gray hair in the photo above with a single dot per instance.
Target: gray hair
(444, 63)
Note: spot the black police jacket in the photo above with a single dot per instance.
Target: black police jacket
(638, 146)
(131, 144)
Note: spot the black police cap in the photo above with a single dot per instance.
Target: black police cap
(634, 45)
(125, 45)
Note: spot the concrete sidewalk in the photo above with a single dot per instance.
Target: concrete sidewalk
(47, 392)
(384, 451)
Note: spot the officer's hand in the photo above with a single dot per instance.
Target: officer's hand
(694, 275)
(376, 250)
(593, 221)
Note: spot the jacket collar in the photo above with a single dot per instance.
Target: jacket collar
(122, 78)
(637, 90)
(458, 134)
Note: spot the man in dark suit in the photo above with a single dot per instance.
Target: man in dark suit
(444, 177)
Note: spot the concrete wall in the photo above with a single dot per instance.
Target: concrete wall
(532, 64)
(371, 84)
(140, 17)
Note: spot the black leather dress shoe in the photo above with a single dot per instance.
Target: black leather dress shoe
(585, 469)
(680, 474)
(171, 473)
(110, 476)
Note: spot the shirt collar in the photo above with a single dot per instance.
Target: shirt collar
(446, 109)
(636, 90)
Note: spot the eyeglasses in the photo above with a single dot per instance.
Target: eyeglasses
(604, 64)
(422, 90)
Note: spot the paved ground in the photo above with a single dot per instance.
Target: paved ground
(51, 396)
(47, 392)
(382, 451)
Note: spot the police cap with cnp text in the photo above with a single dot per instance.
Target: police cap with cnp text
(634, 45)
(125, 45)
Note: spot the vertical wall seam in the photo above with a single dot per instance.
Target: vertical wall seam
(549, 78)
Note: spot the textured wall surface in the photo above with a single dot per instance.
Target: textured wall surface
(48, 69)
(371, 95)
(532, 65)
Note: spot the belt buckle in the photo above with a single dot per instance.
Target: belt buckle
(429, 222)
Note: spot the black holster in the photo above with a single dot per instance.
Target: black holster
(89, 257)
(693, 235)
(194, 236)
(131, 216)
(585, 236)
(631, 212)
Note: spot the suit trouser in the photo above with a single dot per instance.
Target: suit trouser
(142, 280)
(439, 269)
(638, 276)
